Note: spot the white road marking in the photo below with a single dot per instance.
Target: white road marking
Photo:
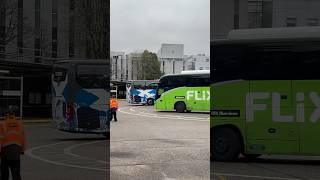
(253, 176)
(166, 176)
(68, 151)
(31, 154)
(163, 117)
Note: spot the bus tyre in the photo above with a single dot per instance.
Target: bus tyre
(150, 102)
(180, 107)
(226, 145)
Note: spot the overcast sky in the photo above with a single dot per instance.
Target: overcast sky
(146, 24)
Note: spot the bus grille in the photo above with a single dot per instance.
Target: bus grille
(88, 118)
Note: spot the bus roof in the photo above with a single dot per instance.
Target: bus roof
(130, 81)
(271, 35)
(196, 72)
(86, 61)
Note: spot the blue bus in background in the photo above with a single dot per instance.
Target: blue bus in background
(80, 93)
(141, 91)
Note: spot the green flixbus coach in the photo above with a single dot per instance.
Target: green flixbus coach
(265, 93)
(185, 92)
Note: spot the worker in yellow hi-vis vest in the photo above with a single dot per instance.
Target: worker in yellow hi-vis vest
(13, 145)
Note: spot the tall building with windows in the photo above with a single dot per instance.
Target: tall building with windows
(198, 62)
(120, 66)
(172, 59)
(42, 31)
(36, 33)
(227, 15)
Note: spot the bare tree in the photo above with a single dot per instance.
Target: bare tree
(10, 27)
(95, 15)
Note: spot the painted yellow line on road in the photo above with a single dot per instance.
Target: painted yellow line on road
(222, 177)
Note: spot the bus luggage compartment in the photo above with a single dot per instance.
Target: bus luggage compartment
(88, 118)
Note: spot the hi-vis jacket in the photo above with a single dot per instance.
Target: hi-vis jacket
(114, 103)
(13, 133)
(1, 133)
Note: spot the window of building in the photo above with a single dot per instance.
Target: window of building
(255, 12)
(313, 22)
(72, 4)
(20, 26)
(193, 65)
(201, 68)
(236, 14)
(71, 30)
(48, 98)
(34, 98)
(54, 49)
(291, 22)
(207, 60)
(173, 66)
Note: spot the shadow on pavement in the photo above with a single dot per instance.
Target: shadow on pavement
(293, 161)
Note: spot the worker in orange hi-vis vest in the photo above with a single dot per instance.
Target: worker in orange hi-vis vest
(113, 108)
(13, 145)
(1, 134)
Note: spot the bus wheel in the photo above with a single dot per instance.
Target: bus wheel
(107, 135)
(226, 145)
(150, 102)
(180, 107)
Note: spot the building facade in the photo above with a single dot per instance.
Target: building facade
(120, 66)
(198, 62)
(36, 33)
(172, 59)
(227, 15)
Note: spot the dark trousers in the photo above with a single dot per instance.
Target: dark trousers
(113, 114)
(14, 166)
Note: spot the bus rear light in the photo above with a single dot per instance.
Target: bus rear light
(70, 112)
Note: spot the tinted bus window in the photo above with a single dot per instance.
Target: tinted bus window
(139, 85)
(227, 62)
(92, 76)
(152, 86)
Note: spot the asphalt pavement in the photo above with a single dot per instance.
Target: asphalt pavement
(268, 167)
(56, 155)
(146, 144)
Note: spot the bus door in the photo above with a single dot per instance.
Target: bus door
(270, 124)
